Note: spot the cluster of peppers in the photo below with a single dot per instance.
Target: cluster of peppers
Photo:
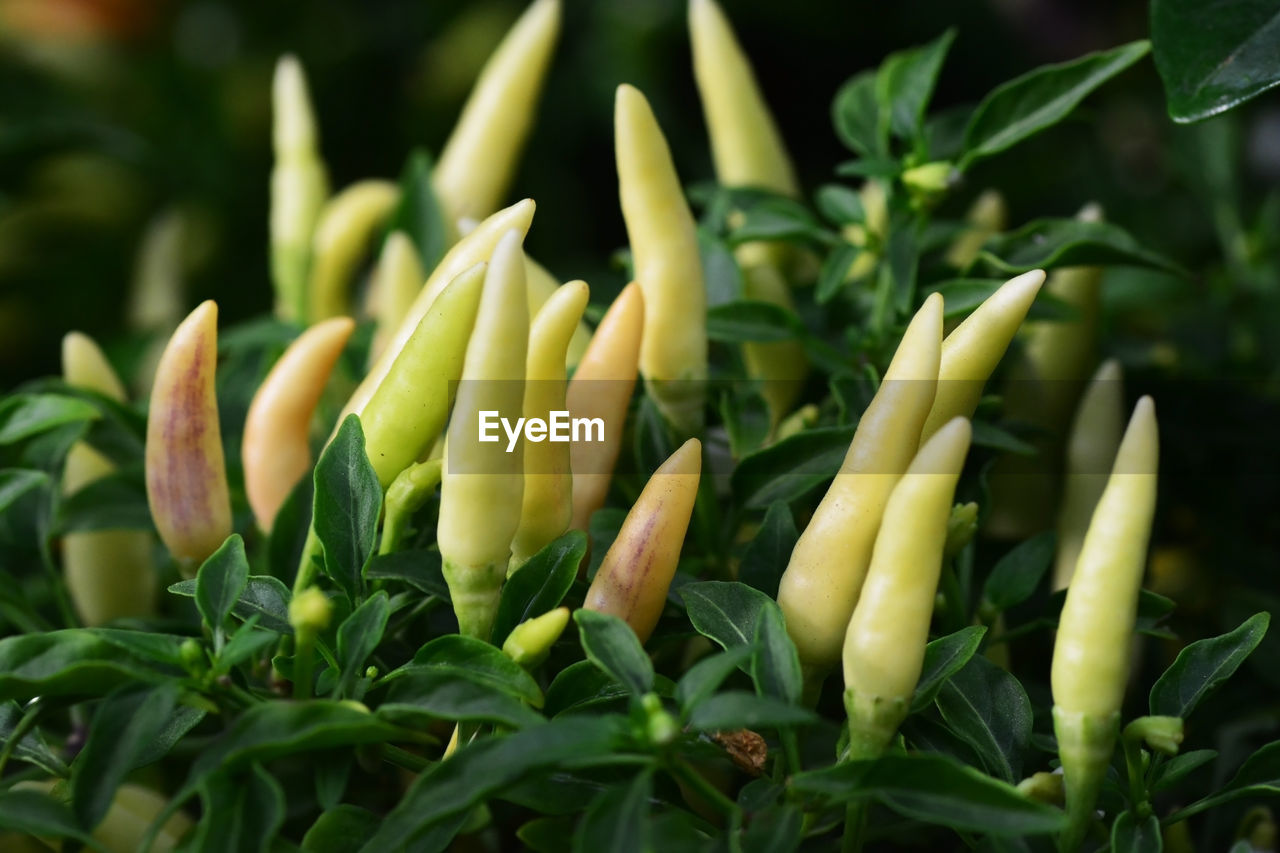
(491, 328)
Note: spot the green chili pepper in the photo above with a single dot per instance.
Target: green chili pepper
(347, 226)
(530, 642)
(1091, 652)
(398, 279)
(407, 493)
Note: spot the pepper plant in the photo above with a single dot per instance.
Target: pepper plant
(797, 595)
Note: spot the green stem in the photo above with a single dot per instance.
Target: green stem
(24, 727)
(855, 827)
(303, 664)
(790, 749)
(307, 566)
(404, 759)
(1133, 768)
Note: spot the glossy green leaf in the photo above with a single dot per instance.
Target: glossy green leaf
(418, 213)
(242, 812)
(705, 677)
(348, 502)
(419, 569)
(766, 557)
(775, 667)
(856, 116)
(117, 501)
(841, 205)
(618, 819)
(1018, 573)
(725, 611)
(1179, 767)
(777, 829)
(341, 829)
(33, 813)
(791, 468)
(835, 271)
(220, 581)
(737, 709)
(477, 659)
(1203, 665)
(720, 271)
(583, 686)
(75, 662)
(987, 708)
(263, 596)
(1049, 243)
(25, 415)
(540, 584)
(1260, 774)
(611, 645)
(1133, 834)
(16, 482)
(436, 693)
(358, 636)
(962, 295)
(32, 748)
(943, 658)
(904, 85)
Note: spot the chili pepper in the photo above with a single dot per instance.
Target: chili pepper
(884, 645)
(547, 504)
(405, 496)
(824, 576)
(276, 449)
(1090, 452)
(404, 416)
(869, 234)
(124, 827)
(108, 572)
(664, 247)
(987, 217)
(472, 249)
(299, 186)
(482, 489)
(477, 162)
(348, 224)
(1091, 652)
(601, 388)
(633, 580)
(398, 279)
(186, 475)
(974, 348)
(541, 284)
(530, 642)
(155, 305)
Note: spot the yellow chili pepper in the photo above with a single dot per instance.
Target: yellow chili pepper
(472, 249)
(186, 474)
(987, 217)
(664, 247)
(824, 576)
(884, 645)
(974, 348)
(478, 160)
(601, 388)
(1090, 453)
(125, 824)
(633, 580)
(530, 642)
(1091, 652)
(276, 448)
(348, 224)
(108, 572)
(541, 284)
(299, 186)
(482, 489)
(547, 505)
(399, 278)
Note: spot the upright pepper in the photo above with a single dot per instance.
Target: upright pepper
(748, 152)
(108, 572)
(155, 305)
(399, 278)
(601, 388)
(885, 641)
(276, 449)
(1091, 653)
(478, 160)
(987, 217)
(482, 489)
(1091, 451)
(547, 505)
(974, 348)
(472, 249)
(824, 576)
(186, 474)
(633, 580)
(541, 284)
(299, 186)
(348, 224)
(664, 248)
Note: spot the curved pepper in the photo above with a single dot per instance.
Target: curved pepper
(541, 284)
(299, 186)
(483, 485)
(974, 348)
(824, 576)
(664, 247)
(478, 160)
(1091, 652)
(108, 572)
(1091, 451)
(405, 496)
(601, 388)
(530, 642)
(547, 505)
(347, 225)
(472, 249)
(633, 579)
(186, 474)
(404, 416)
(987, 217)
(885, 642)
(276, 448)
(399, 278)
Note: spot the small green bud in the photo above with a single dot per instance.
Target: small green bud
(529, 642)
(1043, 787)
(660, 727)
(192, 653)
(931, 178)
(961, 528)
(371, 672)
(310, 611)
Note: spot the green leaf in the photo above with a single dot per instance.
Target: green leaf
(1173, 771)
(1260, 774)
(124, 725)
(618, 819)
(220, 581)
(704, 677)
(358, 636)
(987, 708)
(16, 482)
(348, 501)
(935, 789)
(611, 645)
(244, 644)
(32, 747)
(73, 662)
(418, 213)
(1203, 665)
(242, 812)
(540, 584)
(791, 468)
(767, 555)
(25, 415)
(1026, 105)
(116, 501)
(725, 611)
(1132, 834)
(419, 569)
(1214, 56)
(33, 813)
(547, 834)
(1049, 243)
(835, 269)
(437, 693)
(993, 437)
(943, 658)
(904, 85)
(777, 829)
(775, 668)
(264, 597)
(487, 766)
(582, 686)
(738, 709)
(778, 218)
(1018, 573)
(340, 829)
(841, 205)
(856, 116)
(289, 530)
(720, 271)
(746, 418)
(476, 659)
(747, 321)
